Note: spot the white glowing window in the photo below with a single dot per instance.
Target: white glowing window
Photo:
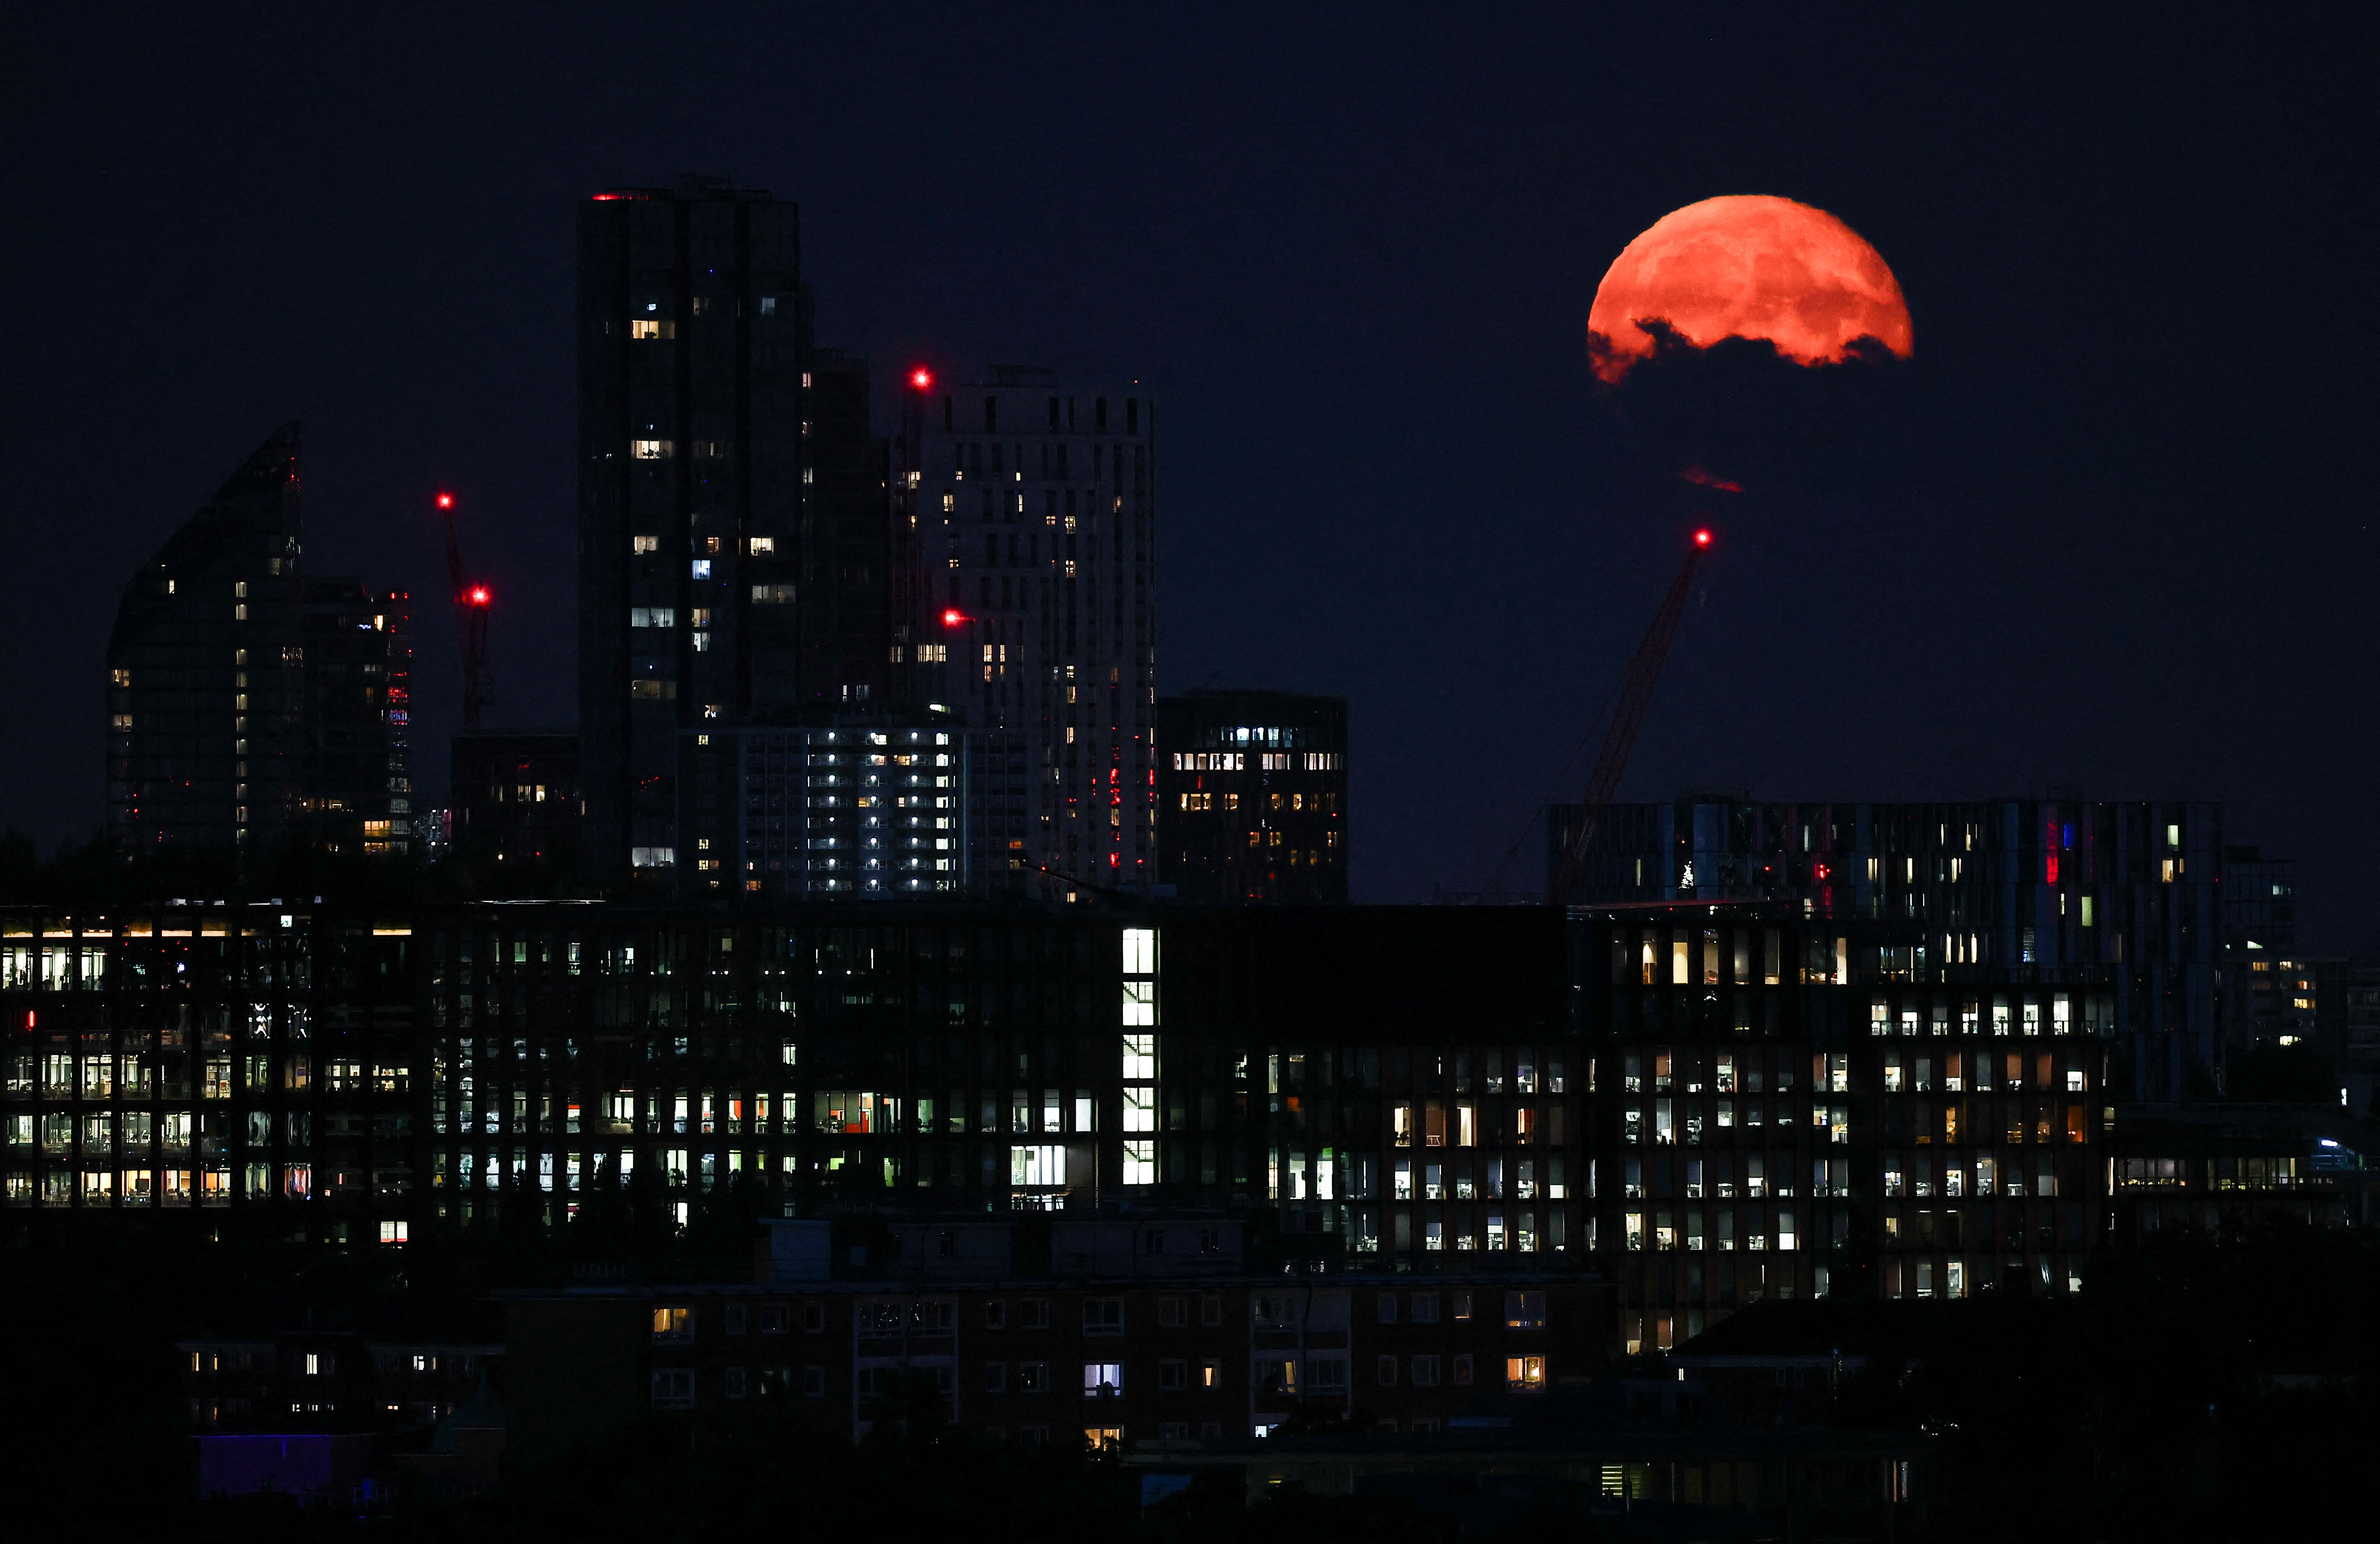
(1140, 1162)
(652, 450)
(1140, 951)
(652, 616)
(764, 546)
(1140, 1002)
(1040, 1165)
(1140, 1108)
(1140, 1058)
(645, 543)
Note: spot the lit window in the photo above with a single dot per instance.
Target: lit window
(764, 546)
(1140, 1162)
(650, 328)
(645, 543)
(652, 450)
(1041, 1165)
(702, 568)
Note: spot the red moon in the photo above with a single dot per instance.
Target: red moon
(1747, 267)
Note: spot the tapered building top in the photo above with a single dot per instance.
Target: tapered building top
(211, 741)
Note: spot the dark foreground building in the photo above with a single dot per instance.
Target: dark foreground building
(1707, 1105)
(1252, 796)
(247, 704)
(1112, 1328)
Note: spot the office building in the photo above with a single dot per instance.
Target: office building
(1033, 505)
(2004, 885)
(1252, 796)
(516, 797)
(734, 548)
(1707, 1105)
(249, 705)
(1793, 1107)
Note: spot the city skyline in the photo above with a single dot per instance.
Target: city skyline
(2077, 520)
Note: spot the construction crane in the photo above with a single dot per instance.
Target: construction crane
(1627, 718)
(470, 621)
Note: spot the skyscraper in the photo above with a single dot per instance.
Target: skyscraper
(1033, 509)
(245, 703)
(1252, 796)
(735, 546)
(205, 681)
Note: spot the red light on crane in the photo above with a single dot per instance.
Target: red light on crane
(951, 618)
(479, 595)
(445, 501)
(922, 378)
(1702, 539)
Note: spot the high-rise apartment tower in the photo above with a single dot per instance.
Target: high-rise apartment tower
(734, 547)
(1032, 505)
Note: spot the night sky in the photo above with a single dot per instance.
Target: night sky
(2111, 527)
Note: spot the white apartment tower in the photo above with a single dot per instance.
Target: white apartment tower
(1033, 510)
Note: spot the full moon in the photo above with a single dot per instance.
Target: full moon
(1747, 267)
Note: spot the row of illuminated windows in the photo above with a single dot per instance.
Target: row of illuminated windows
(164, 1187)
(1532, 1069)
(1983, 1174)
(1430, 1123)
(1691, 1229)
(1716, 1178)
(1682, 1120)
(1465, 1236)
(1428, 1180)
(756, 546)
(2023, 1017)
(1323, 802)
(2252, 1173)
(1727, 1072)
(1960, 1069)
(61, 1076)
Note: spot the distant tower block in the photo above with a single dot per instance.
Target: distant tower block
(1252, 796)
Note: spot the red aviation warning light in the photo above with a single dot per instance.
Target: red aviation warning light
(1703, 538)
(479, 595)
(952, 619)
(922, 378)
(445, 501)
